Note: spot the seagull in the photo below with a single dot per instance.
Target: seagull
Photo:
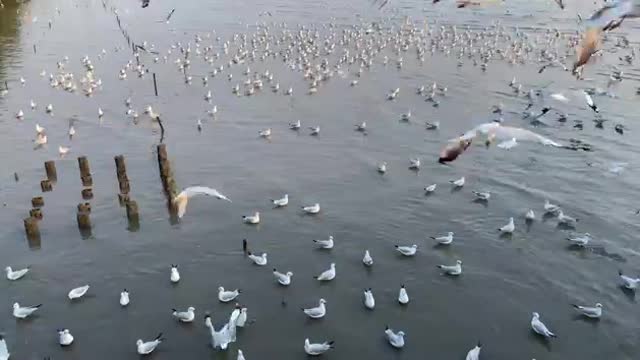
(181, 200)
(64, 337)
(566, 219)
(539, 327)
(284, 201)
(508, 144)
(265, 133)
(395, 339)
(224, 336)
(369, 301)
(315, 349)
(100, 113)
(295, 125)
(251, 219)
(482, 195)
(474, 354)
(49, 109)
(313, 209)
(403, 297)
(33, 105)
(453, 270)
(227, 296)
(317, 312)
(551, 208)
(406, 116)
(458, 183)
(325, 244)
(367, 260)
(431, 188)
(328, 274)
(629, 282)
(175, 275)
(185, 316)
(315, 130)
(15, 275)
(240, 355)
(20, 115)
(63, 150)
(590, 312)
(444, 240)
(509, 228)
(199, 125)
(530, 215)
(590, 102)
(362, 127)
(432, 126)
(208, 96)
(78, 292)
(242, 318)
(124, 298)
(72, 131)
(24, 312)
(4, 352)
(382, 167)
(260, 260)
(283, 279)
(407, 250)
(39, 129)
(580, 240)
(414, 164)
(145, 348)
(40, 140)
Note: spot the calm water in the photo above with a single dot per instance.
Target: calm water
(504, 279)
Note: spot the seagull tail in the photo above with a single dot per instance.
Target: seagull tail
(174, 310)
(37, 306)
(479, 344)
(315, 277)
(576, 306)
(433, 237)
(159, 337)
(552, 334)
(331, 344)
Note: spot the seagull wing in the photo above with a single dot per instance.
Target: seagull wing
(482, 129)
(508, 132)
(4, 352)
(203, 190)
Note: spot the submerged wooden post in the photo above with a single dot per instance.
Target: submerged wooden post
(132, 215)
(31, 227)
(168, 184)
(87, 193)
(85, 171)
(36, 213)
(45, 185)
(50, 169)
(37, 202)
(84, 222)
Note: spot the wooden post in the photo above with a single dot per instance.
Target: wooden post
(45, 185)
(83, 164)
(50, 169)
(31, 227)
(87, 180)
(87, 193)
(84, 207)
(36, 213)
(124, 187)
(168, 184)
(120, 165)
(132, 215)
(155, 84)
(123, 199)
(84, 222)
(37, 202)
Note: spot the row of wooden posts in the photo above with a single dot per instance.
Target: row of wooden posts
(31, 223)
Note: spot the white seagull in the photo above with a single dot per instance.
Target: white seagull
(63, 150)
(431, 188)
(242, 318)
(227, 296)
(444, 240)
(482, 195)
(566, 219)
(369, 301)
(453, 270)
(509, 228)
(317, 312)
(313, 209)
(64, 337)
(284, 201)
(4, 351)
(539, 327)
(551, 208)
(628, 282)
(283, 279)
(39, 129)
(260, 260)
(20, 312)
(175, 275)
(367, 260)
(474, 354)
(185, 316)
(407, 250)
(145, 348)
(325, 244)
(315, 349)
(14, 275)
(78, 292)
(315, 130)
(251, 219)
(459, 182)
(327, 275)
(395, 339)
(590, 102)
(240, 355)
(124, 298)
(403, 297)
(265, 133)
(594, 312)
(181, 200)
(580, 240)
(530, 215)
(382, 167)
(414, 163)
(295, 125)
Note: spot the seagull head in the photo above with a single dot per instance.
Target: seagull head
(598, 305)
(16, 305)
(536, 315)
(459, 262)
(139, 342)
(323, 301)
(8, 269)
(191, 309)
(400, 333)
(220, 289)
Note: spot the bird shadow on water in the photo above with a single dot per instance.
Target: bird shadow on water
(528, 224)
(455, 189)
(540, 340)
(506, 236)
(587, 320)
(629, 294)
(484, 203)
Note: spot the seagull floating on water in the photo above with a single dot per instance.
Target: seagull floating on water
(145, 348)
(317, 312)
(20, 312)
(260, 260)
(566, 219)
(325, 244)
(430, 189)
(78, 292)
(482, 195)
(382, 167)
(530, 215)
(539, 327)
(4, 351)
(64, 337)
(328, 274)
(594, 312)
(453, 270)
(395, 339)
(313, 209)
(509, 228)
(227, 296)
(459, 182)
(474, 354)
(367, 260)
(407, 250)
(628, 282)
(185, 316)
(403, 297)
(414, 164)
(251, 219)
(580, 240)
(315, 349)
(369, 301)
(283, 279)
(284, 201)
(295, 125)
(175, 274)
(14, 275)
(124, 298)
(444, 240)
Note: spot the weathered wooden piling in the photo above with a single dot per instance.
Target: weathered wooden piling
(31, 227)
(83, 164)
(87, 193)
(168, 183)
(37, 202)
(50, 169)
(155, 84)
(121, 168)
(84, 221)
(132, 215)
(36, 213)
(87, 180)
(45, 185)
(123, 199)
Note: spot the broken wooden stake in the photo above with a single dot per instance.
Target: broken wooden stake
(31, 227)
(46, 186)
(37, 201)
(36, 213)
(87, 193)
(50, 169)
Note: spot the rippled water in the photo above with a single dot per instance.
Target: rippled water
(504, 280)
